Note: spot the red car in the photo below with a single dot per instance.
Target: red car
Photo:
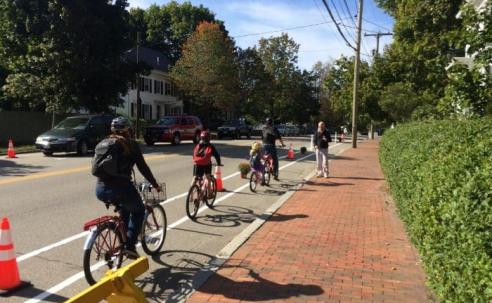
(174, 129)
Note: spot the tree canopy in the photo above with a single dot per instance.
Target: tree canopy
(61, 55)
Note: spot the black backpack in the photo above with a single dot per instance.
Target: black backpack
(105, 161)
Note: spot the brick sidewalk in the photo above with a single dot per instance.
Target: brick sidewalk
(335, 240)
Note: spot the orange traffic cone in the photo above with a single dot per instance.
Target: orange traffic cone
(9, 279)
(10, 150)
(218, 179)
(290, 153)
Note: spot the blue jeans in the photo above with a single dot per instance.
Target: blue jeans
(272, 151)
(132, 209)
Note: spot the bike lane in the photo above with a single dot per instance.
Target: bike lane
(335, 240)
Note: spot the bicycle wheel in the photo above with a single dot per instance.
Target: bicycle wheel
(267, 175)
(211, 193)
(193, 201)
(103, 252)
(154, 229)
(253, 181)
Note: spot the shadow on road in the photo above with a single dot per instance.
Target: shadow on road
(11, 168)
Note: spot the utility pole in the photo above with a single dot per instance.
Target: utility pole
(377, 35)
(139, 101)
(356, 75)
(376, 54)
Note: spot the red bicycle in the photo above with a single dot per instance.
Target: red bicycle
(261, 177)
(103, 248)
(203, 189)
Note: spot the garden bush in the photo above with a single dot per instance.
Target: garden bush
(440, 175)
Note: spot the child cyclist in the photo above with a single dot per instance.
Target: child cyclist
(255, 157)
(202, 157)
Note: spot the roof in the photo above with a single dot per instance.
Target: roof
(153, 58)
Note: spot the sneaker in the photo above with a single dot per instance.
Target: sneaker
(131, 253)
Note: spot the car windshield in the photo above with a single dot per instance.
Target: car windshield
(73, 123)
(166, 121)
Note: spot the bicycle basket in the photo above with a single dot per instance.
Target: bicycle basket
(150, 195)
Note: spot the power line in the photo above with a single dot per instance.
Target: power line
(282, 30)
(338, 27)
(324, 17)
(347, 9)
(349, 33)
(375, 24)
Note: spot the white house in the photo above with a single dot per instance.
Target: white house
(468, 59)
(157, 92)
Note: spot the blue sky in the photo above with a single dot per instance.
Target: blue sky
(317, 43)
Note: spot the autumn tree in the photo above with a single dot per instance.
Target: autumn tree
(207, 71)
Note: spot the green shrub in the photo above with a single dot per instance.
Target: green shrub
(440, 175)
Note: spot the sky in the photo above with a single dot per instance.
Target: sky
(318, 42)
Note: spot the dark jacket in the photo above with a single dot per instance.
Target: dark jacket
(270, 134)
(321, 139)
(125, 166)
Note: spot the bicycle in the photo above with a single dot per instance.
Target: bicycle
(202, 189)
(107, 234)
(259, 177)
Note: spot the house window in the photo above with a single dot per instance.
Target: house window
(162, 87)
(157, 87)
(150, 85)
(147, 111)
(146, 84)
(158, 112)
(168, 89)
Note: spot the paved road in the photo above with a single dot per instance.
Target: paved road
(48, 200)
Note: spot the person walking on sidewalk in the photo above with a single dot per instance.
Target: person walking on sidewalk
(269, 135)
(321, 140)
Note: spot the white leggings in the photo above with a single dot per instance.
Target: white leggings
(322, 161)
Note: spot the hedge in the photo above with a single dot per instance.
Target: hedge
(440, 175)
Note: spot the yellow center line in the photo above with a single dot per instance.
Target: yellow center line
(36, 176)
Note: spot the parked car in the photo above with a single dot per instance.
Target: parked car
(234, 129)
(174, 129)
(75, 134)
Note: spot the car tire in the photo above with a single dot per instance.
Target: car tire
(176, 139)
(237, 135)
(149, 142)
(248, 135)
(82, 148)
(48, 153)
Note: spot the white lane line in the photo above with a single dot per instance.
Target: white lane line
(51, 246)
(53, 290)
(83, 234)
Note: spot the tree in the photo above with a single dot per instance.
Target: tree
(165, 28)
(65, 54)
(423, 36)
(279, 55)
(207, 71)
(399, 100)
(255, 85)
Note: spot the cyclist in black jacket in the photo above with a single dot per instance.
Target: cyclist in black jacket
(269, 135)
(120, 190)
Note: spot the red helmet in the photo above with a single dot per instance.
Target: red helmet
(205, 136)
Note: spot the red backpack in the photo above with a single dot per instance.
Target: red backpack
(202, 155)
